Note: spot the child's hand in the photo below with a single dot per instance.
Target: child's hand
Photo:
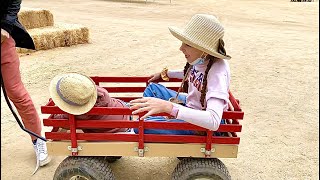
(151, 105)
(154, 77)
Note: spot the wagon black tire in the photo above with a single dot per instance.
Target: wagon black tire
(77, 167)
(112, 159)
(197, 168)
(180, 158)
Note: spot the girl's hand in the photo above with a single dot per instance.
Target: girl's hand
(150, 104)
(154, 77)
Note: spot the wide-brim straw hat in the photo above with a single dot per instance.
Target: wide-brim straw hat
(73, 93)
(203, 32)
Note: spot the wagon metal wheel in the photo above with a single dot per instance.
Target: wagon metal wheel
(84, 168)
(200, 169)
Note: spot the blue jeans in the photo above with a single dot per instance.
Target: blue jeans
(161, 92)
(164, 131)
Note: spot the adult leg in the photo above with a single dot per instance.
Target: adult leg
(15, 89)
(18, 94)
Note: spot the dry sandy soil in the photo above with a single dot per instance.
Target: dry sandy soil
(274, 45)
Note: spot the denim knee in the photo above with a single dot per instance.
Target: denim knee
(152, 90)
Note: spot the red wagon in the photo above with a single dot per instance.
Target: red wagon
(89, 154)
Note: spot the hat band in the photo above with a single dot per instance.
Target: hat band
(62, 97)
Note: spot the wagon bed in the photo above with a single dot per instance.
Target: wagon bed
(77, 143)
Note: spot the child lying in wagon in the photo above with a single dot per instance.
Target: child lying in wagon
(76, 94)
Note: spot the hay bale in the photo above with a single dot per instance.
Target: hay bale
(35, 18)
(74, 34)
(60, 35)
(24, 51)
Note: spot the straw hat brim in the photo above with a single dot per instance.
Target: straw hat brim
(176, 32)
(71, 109)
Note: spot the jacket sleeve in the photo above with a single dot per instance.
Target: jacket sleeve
(209, 119)
(10, 15)
(175, 74)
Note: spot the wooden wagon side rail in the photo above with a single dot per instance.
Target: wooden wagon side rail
(81, 124)
(99, 79)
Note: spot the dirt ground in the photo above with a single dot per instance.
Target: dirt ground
(274, 47)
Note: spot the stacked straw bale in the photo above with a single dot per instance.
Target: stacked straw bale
(59, 36)
(35, 18)
(47, 35)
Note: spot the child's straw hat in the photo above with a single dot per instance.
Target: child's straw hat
(203, 32)
(73, 93)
